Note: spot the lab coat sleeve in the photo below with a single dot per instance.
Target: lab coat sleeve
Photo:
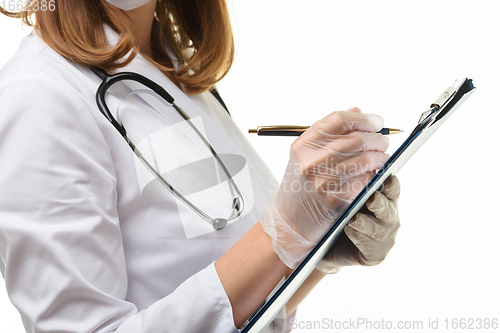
(60, 242)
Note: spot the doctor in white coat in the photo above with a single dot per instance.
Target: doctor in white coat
(88, 244)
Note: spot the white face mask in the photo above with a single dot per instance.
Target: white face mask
(128, 4)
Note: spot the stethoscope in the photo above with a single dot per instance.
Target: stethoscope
(107, 81)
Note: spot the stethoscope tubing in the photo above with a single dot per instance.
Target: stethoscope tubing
(107, 81)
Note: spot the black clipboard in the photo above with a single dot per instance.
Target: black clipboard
(430, 121)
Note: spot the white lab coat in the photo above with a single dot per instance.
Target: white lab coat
(82, 250)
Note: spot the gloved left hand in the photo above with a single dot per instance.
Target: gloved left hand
(369, 236)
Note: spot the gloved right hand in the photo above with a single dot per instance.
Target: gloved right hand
(329, 165)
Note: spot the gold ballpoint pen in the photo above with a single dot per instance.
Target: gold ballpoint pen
(294, 130)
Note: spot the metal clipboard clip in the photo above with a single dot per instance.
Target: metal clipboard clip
(438, 103)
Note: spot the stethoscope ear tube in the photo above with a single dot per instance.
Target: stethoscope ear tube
(100, 95)
(109, 80)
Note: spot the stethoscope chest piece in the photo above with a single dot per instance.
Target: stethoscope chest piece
(219, 223)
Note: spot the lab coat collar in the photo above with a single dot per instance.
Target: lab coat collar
(142, 66)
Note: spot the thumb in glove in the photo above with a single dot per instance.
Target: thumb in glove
(370, 235)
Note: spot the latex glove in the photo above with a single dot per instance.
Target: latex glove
(329, 164)
(369, 236)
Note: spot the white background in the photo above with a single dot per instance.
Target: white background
(297, 61)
